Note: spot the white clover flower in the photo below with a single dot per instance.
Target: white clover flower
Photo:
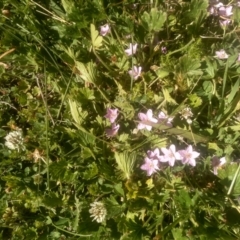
(14, 140)
(98, 211)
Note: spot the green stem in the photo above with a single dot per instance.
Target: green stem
(233, 181)
(75, 234)
(182, 48)
(47, 126)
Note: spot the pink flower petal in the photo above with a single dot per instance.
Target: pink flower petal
(165, 151)
(192, 162)
(141, 126)
(142, 117)
(148, 127)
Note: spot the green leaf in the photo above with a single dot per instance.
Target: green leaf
(234, 91)
(181, 132)
(210, 69)
(230, 110)
(167, 96)
(153, 21)
(161, 72)
(113, 207)
(87, 71)
(86, 139)
(228, 174)
(52, 200)
(195, 101)
(62, 171)
(123, 137)
(195, 11)
(119, 189)
(183, 200)
(77, 113)
(177, 234)
(96, 39)
(91, 171)
(188, 66)
(125, 161)
(68, 6)
(87, 93)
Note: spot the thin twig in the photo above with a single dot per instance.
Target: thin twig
(8, 104)
(52, 14)
(7, 52)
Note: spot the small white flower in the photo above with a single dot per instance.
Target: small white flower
(14, 140)
(98, 211)
(187, 114)
(104, 30)
(135, 72)
(221, 54)
(131, 50)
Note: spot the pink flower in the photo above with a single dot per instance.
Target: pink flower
(213, 8)
(216, 163)
(112, 114)
(164, 50)
(150, 166)
(146, 118)
(135, 72)
(218, 5)
(163, 118)
(170, 155)
(155, 154)
(225, 11)
(221, 54)
(111, 132)
(131, 50)
(224, 23)
(188, 156)
(104, 30)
